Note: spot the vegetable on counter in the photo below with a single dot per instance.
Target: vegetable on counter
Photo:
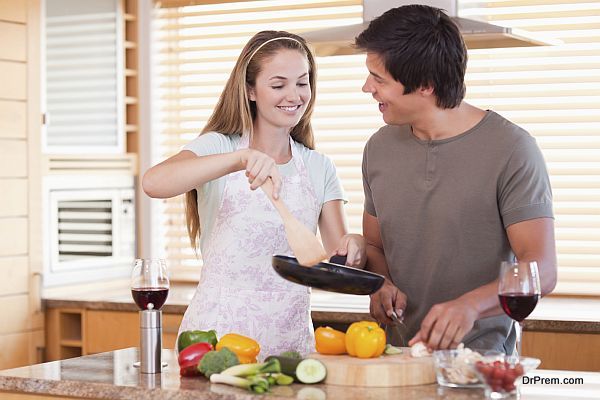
(391, 350)
(244, 347)
(256, 377)
(256, 384)
(243, 370)
(291, 354)
(282, 379)
(311, 371)
(215, 362)
(330, 341)
(365, 339)
(189, 358)
(287, 364)
(304, 371)
(187, 338)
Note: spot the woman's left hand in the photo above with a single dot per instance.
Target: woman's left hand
(353, 246)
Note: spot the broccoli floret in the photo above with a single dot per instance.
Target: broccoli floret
(291, 354)
(215, 362)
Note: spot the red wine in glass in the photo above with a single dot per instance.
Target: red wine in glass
(518, 291)
(149, 288)
(144, 296)
(518, 306)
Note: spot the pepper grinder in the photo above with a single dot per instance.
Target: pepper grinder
(150, 341)
(150, 289)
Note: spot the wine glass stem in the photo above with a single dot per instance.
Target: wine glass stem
(519, 332)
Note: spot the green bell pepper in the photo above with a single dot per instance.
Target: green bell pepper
(188, 338)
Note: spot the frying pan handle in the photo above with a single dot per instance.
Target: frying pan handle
(337, 259)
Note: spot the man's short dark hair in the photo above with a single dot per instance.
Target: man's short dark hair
(420, 47)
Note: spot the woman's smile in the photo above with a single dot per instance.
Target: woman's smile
(290, 109)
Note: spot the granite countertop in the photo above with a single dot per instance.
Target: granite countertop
(553, 314)
(111, 375)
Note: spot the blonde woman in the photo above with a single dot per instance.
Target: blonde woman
(260, 129)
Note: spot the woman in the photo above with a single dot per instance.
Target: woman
(260, 129)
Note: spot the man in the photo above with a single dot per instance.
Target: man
(450, 190)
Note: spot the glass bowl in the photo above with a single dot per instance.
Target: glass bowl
(453, 367)
(500, 373)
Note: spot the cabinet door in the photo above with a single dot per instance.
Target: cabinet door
(112, 330)
(564, 351)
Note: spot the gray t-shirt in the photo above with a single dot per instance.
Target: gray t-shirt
(321, 172)
(443, 207)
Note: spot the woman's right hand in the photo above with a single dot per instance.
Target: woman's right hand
(387, 299)
(260, 167)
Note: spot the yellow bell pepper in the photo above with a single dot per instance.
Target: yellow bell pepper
(330, 341)
(245, 348)
(365, 339)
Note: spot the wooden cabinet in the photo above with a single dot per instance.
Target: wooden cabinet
(76, 332)
(563, 351)
(64, 335)
(111, 330)
(73, 332)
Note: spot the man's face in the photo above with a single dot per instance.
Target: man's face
(397, 108)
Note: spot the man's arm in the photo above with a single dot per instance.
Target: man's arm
(447, 323)
(389, 297)
(533, 240)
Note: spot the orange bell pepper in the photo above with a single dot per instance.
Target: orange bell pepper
(365, 339)
(330, 341)
(245, 348)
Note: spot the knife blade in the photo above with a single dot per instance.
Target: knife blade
(399, 327)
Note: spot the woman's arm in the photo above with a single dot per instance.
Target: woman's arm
(332, 225)
(186, 171)
(335, 236)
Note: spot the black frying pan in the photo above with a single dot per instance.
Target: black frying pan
(328, 276)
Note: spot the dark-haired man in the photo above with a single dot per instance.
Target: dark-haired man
(450, 190)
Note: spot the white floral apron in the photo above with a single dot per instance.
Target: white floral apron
(239, 292)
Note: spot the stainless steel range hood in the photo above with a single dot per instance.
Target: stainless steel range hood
(477, 34)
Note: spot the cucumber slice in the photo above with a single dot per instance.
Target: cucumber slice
(311, 371)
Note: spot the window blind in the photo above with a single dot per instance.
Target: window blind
(82, 50)
(553, 92)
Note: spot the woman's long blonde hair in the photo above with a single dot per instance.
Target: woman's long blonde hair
(234, 113)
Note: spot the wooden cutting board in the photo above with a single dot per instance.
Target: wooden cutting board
(384, 371)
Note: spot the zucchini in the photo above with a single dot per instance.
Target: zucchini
(288, 364)
(305, 371)
(310, 370)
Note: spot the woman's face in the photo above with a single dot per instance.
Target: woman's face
(282, 89)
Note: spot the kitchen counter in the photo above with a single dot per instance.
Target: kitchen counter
(553, 314)
(111, 375)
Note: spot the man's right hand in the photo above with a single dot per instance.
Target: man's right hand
(386, 300)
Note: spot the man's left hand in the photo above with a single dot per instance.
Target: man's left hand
(446, 324)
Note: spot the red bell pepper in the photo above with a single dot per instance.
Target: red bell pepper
(190, 357)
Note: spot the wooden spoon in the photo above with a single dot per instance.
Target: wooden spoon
(305, 245)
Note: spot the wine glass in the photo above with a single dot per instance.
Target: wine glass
(519, 292)
(149, 289)
(149, 283)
